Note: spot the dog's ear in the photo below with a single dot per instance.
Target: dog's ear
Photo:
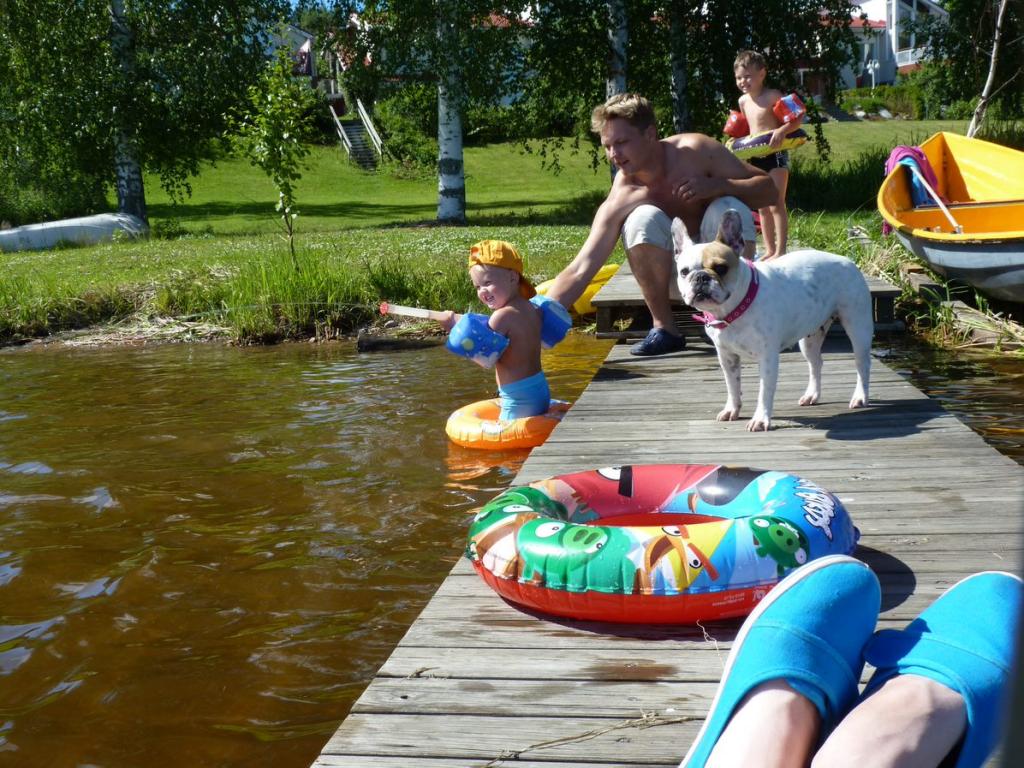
(680, 237)
(730, 230)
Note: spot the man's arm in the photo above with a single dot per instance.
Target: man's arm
(570, 283)
(725, 174)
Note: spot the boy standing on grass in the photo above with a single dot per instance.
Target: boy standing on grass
(758, 106)
(510, 339)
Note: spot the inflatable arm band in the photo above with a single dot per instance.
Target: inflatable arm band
(758, 145)
(789, 108)
(472, 337)
(737, 125)
(555, 320)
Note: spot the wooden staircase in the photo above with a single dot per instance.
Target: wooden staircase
(356, 140)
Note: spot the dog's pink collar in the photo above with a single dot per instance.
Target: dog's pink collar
(711, 321)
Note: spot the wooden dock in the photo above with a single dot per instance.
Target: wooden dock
(622, 313)
(479, 682)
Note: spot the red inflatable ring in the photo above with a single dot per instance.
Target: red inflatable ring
(654, 544)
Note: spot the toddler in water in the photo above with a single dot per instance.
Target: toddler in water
(758, 106)
(510, 339)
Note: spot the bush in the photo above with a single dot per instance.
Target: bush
(904, 99)
(321, 129)
(489, 124)
(938, 86)
(27, 198)
(961, 109)
(408, 122)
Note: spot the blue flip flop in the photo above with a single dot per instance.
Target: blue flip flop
(810, 631)
(658, 342)
(965, 641)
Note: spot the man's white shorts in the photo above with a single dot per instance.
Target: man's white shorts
(650, 224)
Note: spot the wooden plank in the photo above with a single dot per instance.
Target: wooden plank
(538, 691)
(379, 761)
(477, 681)
(620, 301)
(636, 741)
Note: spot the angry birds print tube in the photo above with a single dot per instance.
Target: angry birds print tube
(655, 543)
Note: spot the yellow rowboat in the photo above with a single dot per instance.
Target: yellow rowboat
(974, 230)
(583, 305)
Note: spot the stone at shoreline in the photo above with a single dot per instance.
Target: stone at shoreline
(379, 342)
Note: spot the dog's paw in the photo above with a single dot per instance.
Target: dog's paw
(810, 398)
(759, 424)
(728, 414)
(859, 400)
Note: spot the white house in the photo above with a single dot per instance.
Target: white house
(888, 45)
(299, 43)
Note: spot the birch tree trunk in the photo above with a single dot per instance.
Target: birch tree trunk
(451, 173)
(618, 37)
(986, 93)
(677, 54)
(131, 196)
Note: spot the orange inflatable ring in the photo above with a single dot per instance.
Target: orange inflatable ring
(477, 426)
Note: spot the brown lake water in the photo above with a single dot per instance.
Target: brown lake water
(206, 551)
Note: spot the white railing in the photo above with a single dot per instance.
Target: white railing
(341, 131)
(909, 56)
(368, 124)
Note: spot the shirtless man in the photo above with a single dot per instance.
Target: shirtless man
(687, 175)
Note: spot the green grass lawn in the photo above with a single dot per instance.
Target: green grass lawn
(363, 237)
(850, 139)
(503, 185)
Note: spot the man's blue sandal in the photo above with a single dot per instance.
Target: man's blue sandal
(965, 641)
(658, 342)
(810, 631)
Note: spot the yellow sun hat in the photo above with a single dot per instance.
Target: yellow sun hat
(498, 253)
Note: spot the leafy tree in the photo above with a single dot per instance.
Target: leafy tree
(271, 132)
(961, 49)
(467, 49)
(680, 54)
(103, 85)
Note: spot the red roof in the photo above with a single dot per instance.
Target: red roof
(870, 23)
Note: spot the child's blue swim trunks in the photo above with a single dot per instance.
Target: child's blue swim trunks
(527, 397)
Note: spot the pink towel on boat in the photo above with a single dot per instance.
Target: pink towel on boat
(903, 154)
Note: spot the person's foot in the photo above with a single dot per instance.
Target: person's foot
(964, 641)
(808, 632)
(658, 342)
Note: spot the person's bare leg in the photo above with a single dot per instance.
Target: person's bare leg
(773, 727)
(768, 233)
(910, 722)
(779, 214)
(654, 268)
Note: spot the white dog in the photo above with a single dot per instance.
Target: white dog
(757, 311)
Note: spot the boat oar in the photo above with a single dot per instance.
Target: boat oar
(957, 229)
(399, 309)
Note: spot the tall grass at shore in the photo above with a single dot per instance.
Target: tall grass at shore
(847, 185)
(250, 286)
(41, 305)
